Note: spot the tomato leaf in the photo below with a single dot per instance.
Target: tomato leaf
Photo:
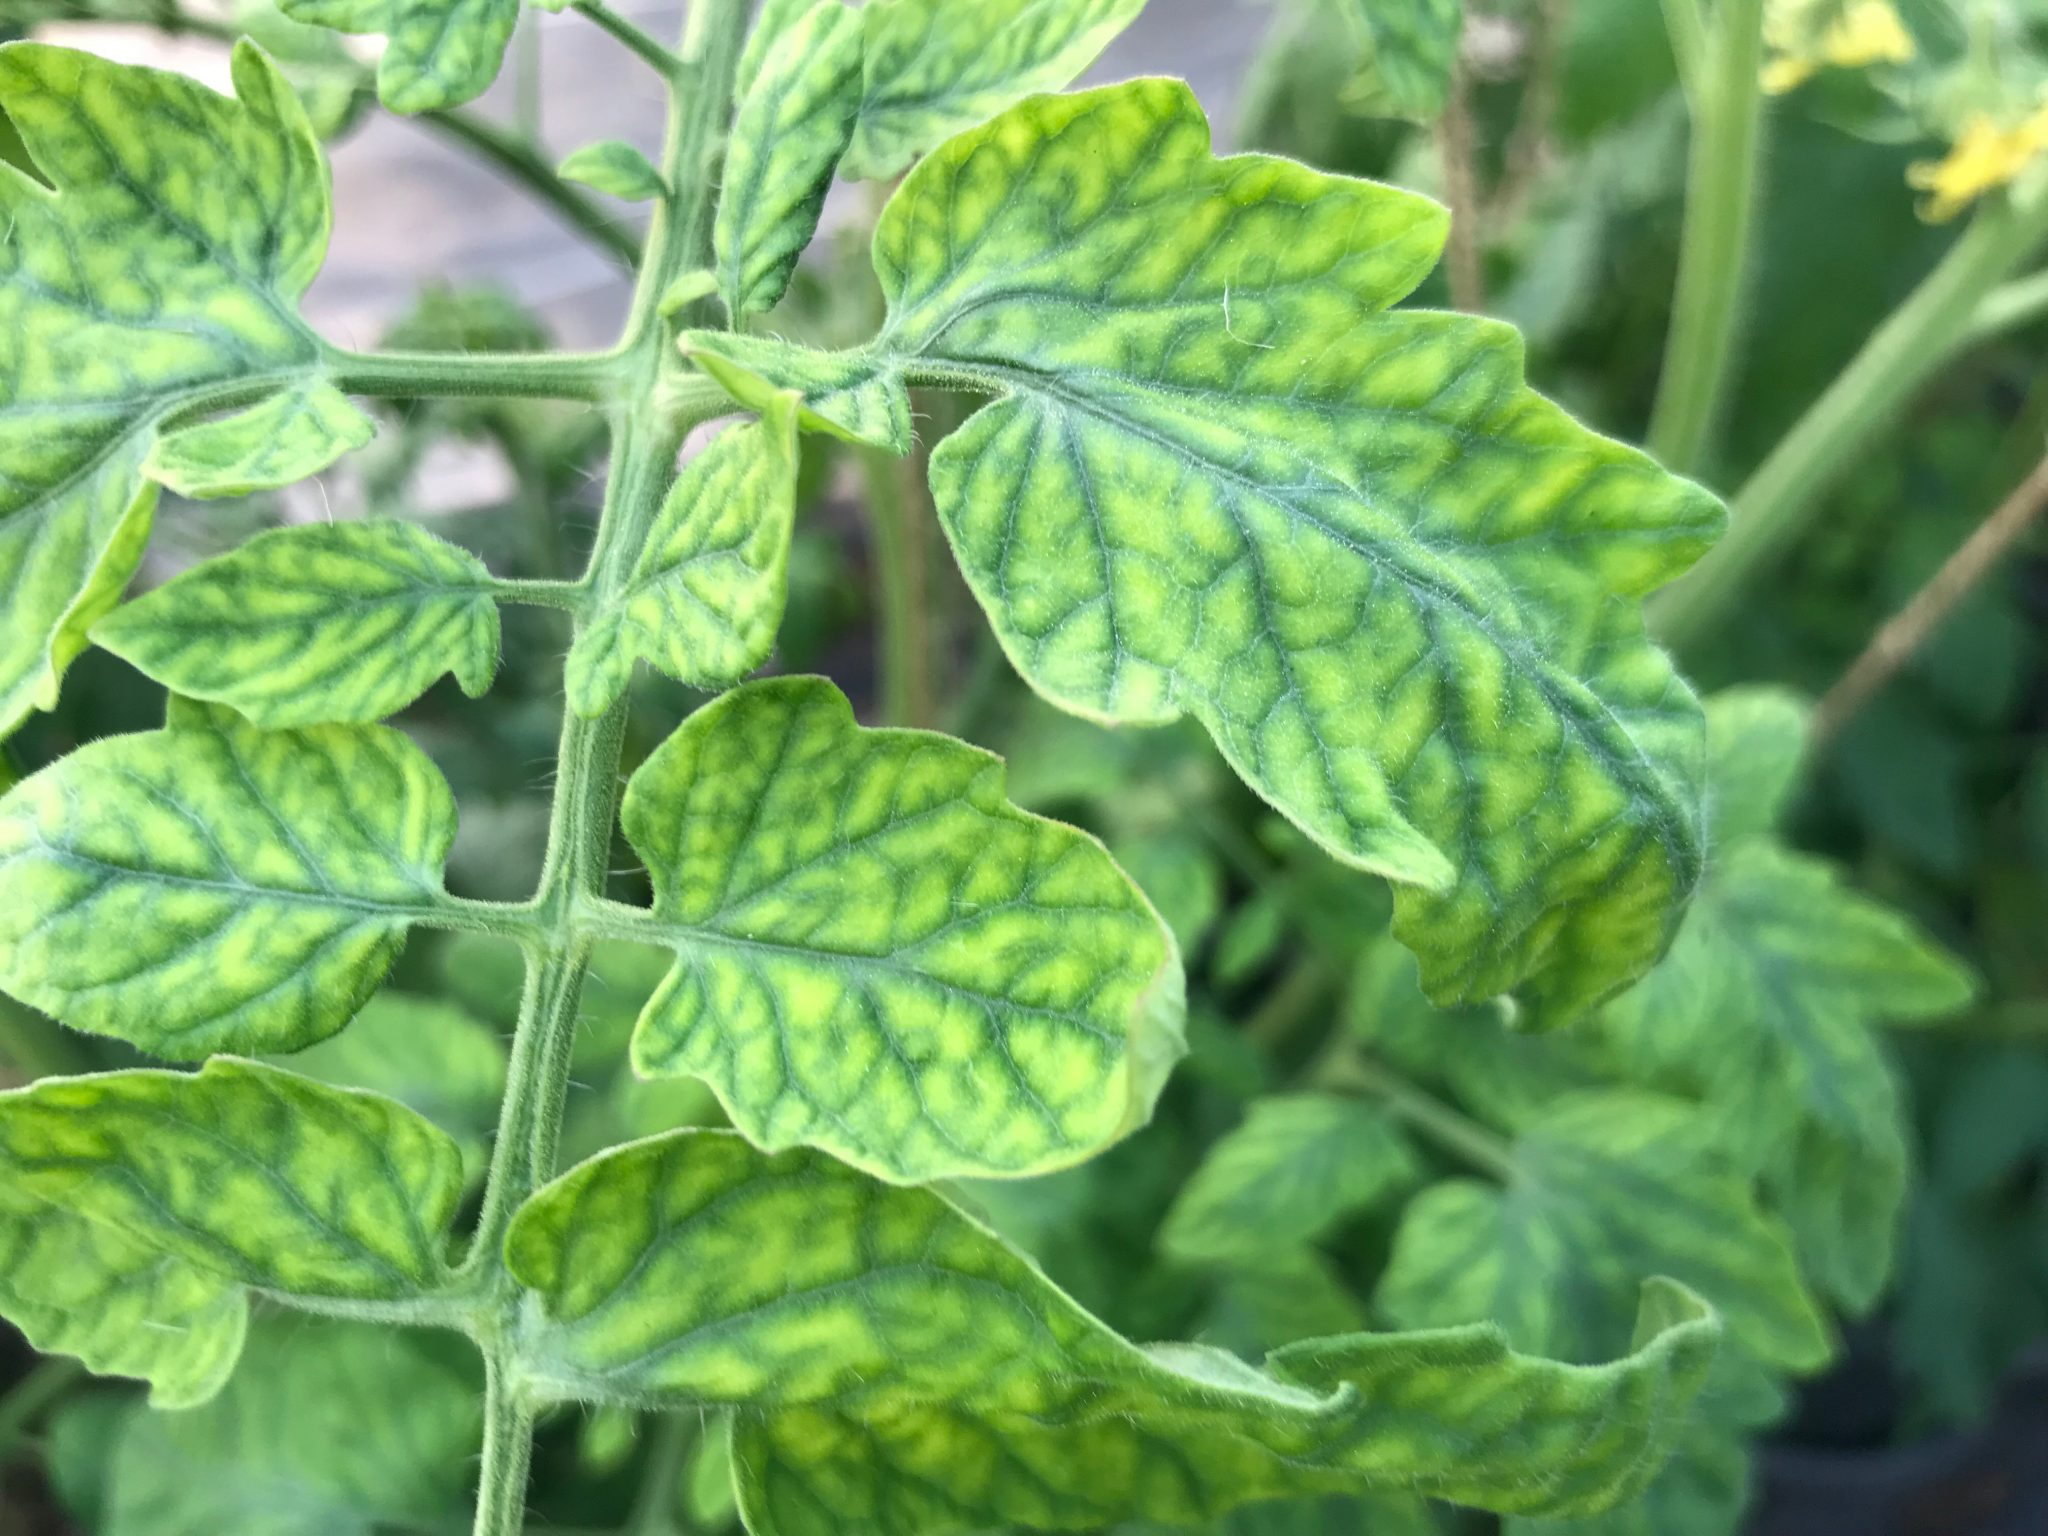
(261, 883)
(617, 169)
(340, 623)
(438, 53)
(893, 1365)
(206, 218)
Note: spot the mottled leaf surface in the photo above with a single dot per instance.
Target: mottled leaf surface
(334, 623)
(1296, 1166)
(328, 1429)
(1409, 48)
(242, 1173)
(159, 276)
(1223, 478)
(704, 601)
(877, 954)
(615, 168)
(1768, 1004)
(1609, 1188)
(438, 53)
(934, 67)
(843, 396)
(895, 1366)
(214, 887)
(795, 121)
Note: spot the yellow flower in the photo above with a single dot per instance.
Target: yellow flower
(1806, 38)
(1986, 156)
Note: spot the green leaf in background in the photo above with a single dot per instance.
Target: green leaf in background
(934, 67)
(705, 600)
(439, 53)
(1702, 1491)
(895, 1366)
(335, 623)
(328, 1429)
(241, 1174)
(1767, 1005)
(615, 168)
(795, 121)
(1611, 1187)
(1399, 589)
(879, 955)
(261, 882)
(1295, 1167)
(1409, 49)
(206, 218)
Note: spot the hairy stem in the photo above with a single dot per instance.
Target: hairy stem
(649, 424)
(1456, 1133)
(1458, 147)
(519, 162)
(661, 59)
(903, 628)
(1913, 625)
(1921, 336)
(1714, 255)
(586, 376)
(654, 1511)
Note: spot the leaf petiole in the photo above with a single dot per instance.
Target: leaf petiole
(663, 60)
(1349, 1068)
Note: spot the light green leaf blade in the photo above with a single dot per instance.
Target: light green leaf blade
(115, 1301)
(795, 121)
(328, 1429)
(846, 397)
(934, 67)
(1296, 1166)
(773, 20)
(704, 601)
(1702, 1491)
(616, 168)
(336, 623)
(214, 887)
(895, 1366)
(439, 53)
(1399, 589)
(205, 218)
(1756, 739)
(243, 1172)
(1610, 1188)
(1409, 48)
(286, 438)
(878, 955)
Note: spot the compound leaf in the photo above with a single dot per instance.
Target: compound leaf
(933, 67)
(1607, 1189)
(879, 955)
(214, 887)
(705, 600)
(616, 168)
(895, 1366)
(339, 623)
(795, 121)
(242, 1173)
(1400, 589)
(1296, 1166)
(159, 279)
(439, 53)
(328, 1429)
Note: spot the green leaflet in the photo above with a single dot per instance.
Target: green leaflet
(878, 955)
(341, 623)
(843, 396)
(1410, 47)
(260, 883)
(617, 168)
(1702, 1491)
(794, 123)
(159, 279)
(1400, 589)
(1610, 1187)
(896, 1366)
(328, 1429)
(704, 601)
(773, 20)
(286, 438)
(440, 53)
(1297, 1166)
(934, 67)
(196, 1186)
(1767, 1006)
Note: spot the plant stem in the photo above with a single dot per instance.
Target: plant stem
(1457, 147)
(664, 62)
(654, 1511)
(32, 1397)
(1911, 627)
(1688, 29)
(1458, 1134)
(1922, 335)
(903, 627)
(1714, 254)
(2020, 302)
(521, 163)
(586, 376)
(508, 1454)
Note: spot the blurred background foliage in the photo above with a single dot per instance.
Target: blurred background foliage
(1841, 1134)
